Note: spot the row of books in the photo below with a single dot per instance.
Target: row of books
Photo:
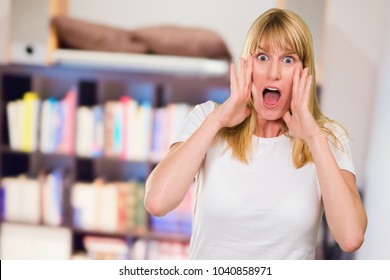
(109, 248)
(112, 207)
(48, 125)
(178, 220)
(125, 128)
(33, 200)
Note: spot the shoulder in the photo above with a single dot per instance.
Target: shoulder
(200, 111)
(207, 107)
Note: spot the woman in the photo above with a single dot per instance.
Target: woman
(267, 162)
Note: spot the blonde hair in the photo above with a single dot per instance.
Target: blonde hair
(287, 31)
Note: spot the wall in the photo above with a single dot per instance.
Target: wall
(4, 30)
(230, 18)
(350, 60)
(377, 245)
(356, 63)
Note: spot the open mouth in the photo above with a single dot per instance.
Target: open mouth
(271, 97)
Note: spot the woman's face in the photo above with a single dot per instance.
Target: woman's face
(273, 72)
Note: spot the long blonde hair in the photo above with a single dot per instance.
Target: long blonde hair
(285, 30)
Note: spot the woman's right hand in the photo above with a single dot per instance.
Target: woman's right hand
(235, 109)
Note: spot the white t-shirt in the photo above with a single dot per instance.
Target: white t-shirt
(266, 209)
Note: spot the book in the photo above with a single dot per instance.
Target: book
(30, 124)
(53, 188)
(132, 123)
(109, 115)
(106, 248)
(84, 131)
(51, 124)
(98, 131)
(107, 208)
(68, 109)
(13, 126)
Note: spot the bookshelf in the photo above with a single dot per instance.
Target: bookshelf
(96, 84)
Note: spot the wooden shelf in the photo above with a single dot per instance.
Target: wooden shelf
(136, 234)
(141, 62)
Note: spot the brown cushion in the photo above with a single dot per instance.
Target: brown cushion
(183, 41)
(164, 39)
(78, 34)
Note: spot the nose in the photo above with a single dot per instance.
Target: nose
(274, 70)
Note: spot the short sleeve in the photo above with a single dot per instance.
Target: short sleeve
(194, 119)
(342, 151)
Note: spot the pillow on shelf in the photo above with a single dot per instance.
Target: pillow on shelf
(164, 40)
(182, 41)
(78, 34)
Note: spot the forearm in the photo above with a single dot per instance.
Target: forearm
(170, 180)
(343, 207)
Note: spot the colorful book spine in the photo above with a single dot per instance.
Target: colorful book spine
(31, 103)
(98, 131)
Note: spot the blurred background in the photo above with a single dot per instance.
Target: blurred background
(352, 46)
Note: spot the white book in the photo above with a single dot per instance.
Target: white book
(30, 199)
(131, 117)
(52, 199)
(48, 122)
(12, 122)
(108, 210)
(84, 131)
(146, 118)
(106, 247)
(84, 198)
(13, 204)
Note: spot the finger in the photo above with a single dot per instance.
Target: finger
(302, 84)
(248, 74)
(307, 90)
(233, 78)
(241, 75)
(297, 74)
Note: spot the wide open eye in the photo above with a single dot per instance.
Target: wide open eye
(288, 60)
(262, 57)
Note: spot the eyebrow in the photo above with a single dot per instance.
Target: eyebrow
(285, 52)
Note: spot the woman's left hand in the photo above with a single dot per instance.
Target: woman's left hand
(299, 120)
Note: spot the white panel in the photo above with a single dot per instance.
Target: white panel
(34, 242)
(4, 30)
(352, 43)
(30, 31)
(377, 191)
